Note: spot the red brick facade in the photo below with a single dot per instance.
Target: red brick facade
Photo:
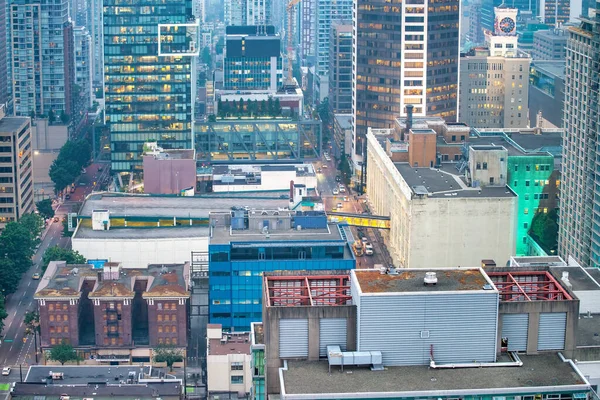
(58, 322)
(112, 322)
(167, 322)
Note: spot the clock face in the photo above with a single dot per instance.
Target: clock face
(506, 25)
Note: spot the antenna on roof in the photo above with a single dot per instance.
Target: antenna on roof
(163, 269)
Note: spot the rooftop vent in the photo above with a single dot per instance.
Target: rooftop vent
(430, 278)
(392, 271)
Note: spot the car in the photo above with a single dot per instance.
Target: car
(340, 205)
(36, 276)
(342, 189)
(324, 166)
(338, 178)
(364, 239)
(68, 196)
(346, 198)
(99, 169)
(369, 249)
(319, 170)
(335, 191)
(6, 371)
(56, 219)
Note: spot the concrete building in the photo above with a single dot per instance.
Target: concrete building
(16, 169)
(41, 70)
(252, 58)
(83, 67)
(328, 13)
(547, 94)
(257, 347)
(343, 140)
(228, 361)
(578, 230)
(248, 243)
(262, 178)
(143, 230)
(529, 310)
(96, 31)
(429, 203)
(169, 171)
(340, 67)
(5, 84)
(549, 44)
(101, 308)
(556, 12)
(247, 12)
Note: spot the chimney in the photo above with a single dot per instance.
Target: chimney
(409, 119)
(291, 191)
(99, 276)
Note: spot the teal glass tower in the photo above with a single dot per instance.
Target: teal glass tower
(149, 94)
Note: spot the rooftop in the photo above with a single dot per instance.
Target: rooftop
(230, 343)
(169, 206)
(84, 374)
(37, 391)
(174, 154)
(550, 67)
(445, 182)
(344, 120)
(522, 285)
(307, 290)
(412, 280)
(195, 231)
(62, 280)
(312, 377)
(12, 124)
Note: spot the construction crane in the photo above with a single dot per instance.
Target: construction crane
(290, 42)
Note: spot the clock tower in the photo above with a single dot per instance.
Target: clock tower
(503, 40)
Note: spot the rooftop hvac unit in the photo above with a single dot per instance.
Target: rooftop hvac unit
(430, 278)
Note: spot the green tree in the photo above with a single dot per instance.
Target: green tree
(45, 209)
(62, 173)
(9, 276)
(263, 107)
(221, 110)
(17, 245)
(206, 58)
(212, 118)
(234, 107)
(34, 223)
(63, 353)
(64, 117)
(241, 107)
(270, 107)
(168, 354)
(32, 322)
(79, 151)
(277, 107)
(544, 228)
(3, 313)
(57, 253)
(51, 116)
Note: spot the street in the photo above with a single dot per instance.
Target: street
(326, 185)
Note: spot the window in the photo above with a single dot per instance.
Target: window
(65, 317)
(160, 329)
(160, 340)
(174, 318)
(174, 329)
(526, 211)
(51, 317)
(527, 196)
(64, 307)
(528, 168)
(491, 180)
(454, 138)
(237, 380)
(166, 317)
(237, 366)
(484, 165)
(174, 340)
(59, 317)
(525, 225)
(52, 341)
(59, 329)
(515, 183)
(526, 183)
(478, 166)
(167, 329)
(516, 168)
(50, 307)
(66, 329)
(159, 317)
(159, 306)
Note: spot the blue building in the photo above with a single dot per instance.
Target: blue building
(246, 243)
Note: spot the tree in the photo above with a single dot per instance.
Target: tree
(63, 353)
(32, 114)
(544, 228)
(64, 117)
(57, 253)
(17, 245)
(212, 118)
(51, 116)
(9, 276)
(32, 321)
(270, 108)
(168, 354)
(263, 107)
(3, 313)
(241, 107)
(62, 173)
(45, 209)
(206, 58)
(277, 107)
(34, 223)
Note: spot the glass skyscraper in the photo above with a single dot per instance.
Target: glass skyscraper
(148, 96)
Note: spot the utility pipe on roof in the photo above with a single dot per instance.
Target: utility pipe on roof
(514, 356)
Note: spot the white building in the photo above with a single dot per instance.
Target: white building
(435, 217)
(228, 361)
(259, 178)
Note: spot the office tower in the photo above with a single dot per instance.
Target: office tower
(39, 53)
(148, 85)
(327, 12)
(199, 10)
(555, 12)
(78, 11)
(578, 229)
(404, 54)
(97, 33)
(4, 59)
(473, 29)
(83, 65)
(16, 170)
(340, 67)
(494, 79)
(308, 30)
(549, 45)
(252, 58)
(247, 12)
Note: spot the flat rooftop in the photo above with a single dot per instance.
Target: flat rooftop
(308, 377)
(412, 280)
(238, 343)
(445, 181)
(170, 206)
(11, 124)
(550, 67)
(84, 232)
(57, 391)
(84, 374)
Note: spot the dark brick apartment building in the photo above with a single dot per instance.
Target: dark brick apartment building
(114, 314)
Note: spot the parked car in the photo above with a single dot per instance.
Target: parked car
(338, 178)
(336, 191)
(342, 189)
(6, 371)
(368, 249)
(340, 205)
(364, 239)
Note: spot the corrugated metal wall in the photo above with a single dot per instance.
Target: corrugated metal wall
(459, 327)
(332, 332)
(293, 338)
(515, 327)
(552, 330)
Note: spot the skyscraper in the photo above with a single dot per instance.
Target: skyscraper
(3, 54)
(247, 12)
(83, 65)
(579, 229)
(97, 33)
(40, 80)
(405, 53)
(148, 95)
(340, 67)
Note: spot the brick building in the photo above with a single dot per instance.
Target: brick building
(107, 311)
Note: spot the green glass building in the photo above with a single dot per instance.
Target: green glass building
(148, 97)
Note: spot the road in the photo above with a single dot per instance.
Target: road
(351, 203)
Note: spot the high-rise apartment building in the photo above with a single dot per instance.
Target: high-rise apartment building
(578, 230)
(97, 33)
(327, 13)
(405, 54)
(308, 30)
(16, 169)
(4, 59)
(247, 12)
(148, 95)
(340, 67)
(83, 65)
(78, 11)
(555, 12)
(39, 56)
